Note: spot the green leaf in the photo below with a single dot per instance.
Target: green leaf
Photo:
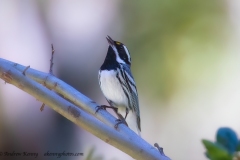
(216, 151)
(91, 155)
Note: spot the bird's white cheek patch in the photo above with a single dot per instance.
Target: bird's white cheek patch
(119, 60)
(128, 54)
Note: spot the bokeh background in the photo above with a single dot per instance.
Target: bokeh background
(185, 60)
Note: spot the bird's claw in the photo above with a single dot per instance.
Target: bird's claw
(120, 121)
(100, 107)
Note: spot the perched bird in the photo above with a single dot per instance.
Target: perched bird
(118, 85)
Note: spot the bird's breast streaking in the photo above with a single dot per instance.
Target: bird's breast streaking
(114, 90)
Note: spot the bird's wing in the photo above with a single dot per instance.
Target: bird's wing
(129, 84)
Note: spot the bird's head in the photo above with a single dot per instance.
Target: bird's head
(118, 51)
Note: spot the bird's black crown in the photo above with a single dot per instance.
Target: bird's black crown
(117, 54)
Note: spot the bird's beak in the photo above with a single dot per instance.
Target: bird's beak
(110, 41)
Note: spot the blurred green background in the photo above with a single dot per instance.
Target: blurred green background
(185, 60)
(175, 41)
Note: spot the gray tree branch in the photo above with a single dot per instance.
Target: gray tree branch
(77, 108)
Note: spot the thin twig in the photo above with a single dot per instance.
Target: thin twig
(42, 107)
(24, 71)
(51, 60)
(160, 149)
(50, 71)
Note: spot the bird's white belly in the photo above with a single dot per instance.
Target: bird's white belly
(112, 89)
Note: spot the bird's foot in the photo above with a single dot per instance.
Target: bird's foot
(103, 107)
(120, 121)
(100, 107)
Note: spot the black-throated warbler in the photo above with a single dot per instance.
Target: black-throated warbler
(118, 85)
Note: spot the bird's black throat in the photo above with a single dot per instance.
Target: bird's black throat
(110, 62)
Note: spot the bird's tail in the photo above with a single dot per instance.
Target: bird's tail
(133, 120)
(138, 126)
(134, 123)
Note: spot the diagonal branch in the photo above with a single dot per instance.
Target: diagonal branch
(77, 108)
